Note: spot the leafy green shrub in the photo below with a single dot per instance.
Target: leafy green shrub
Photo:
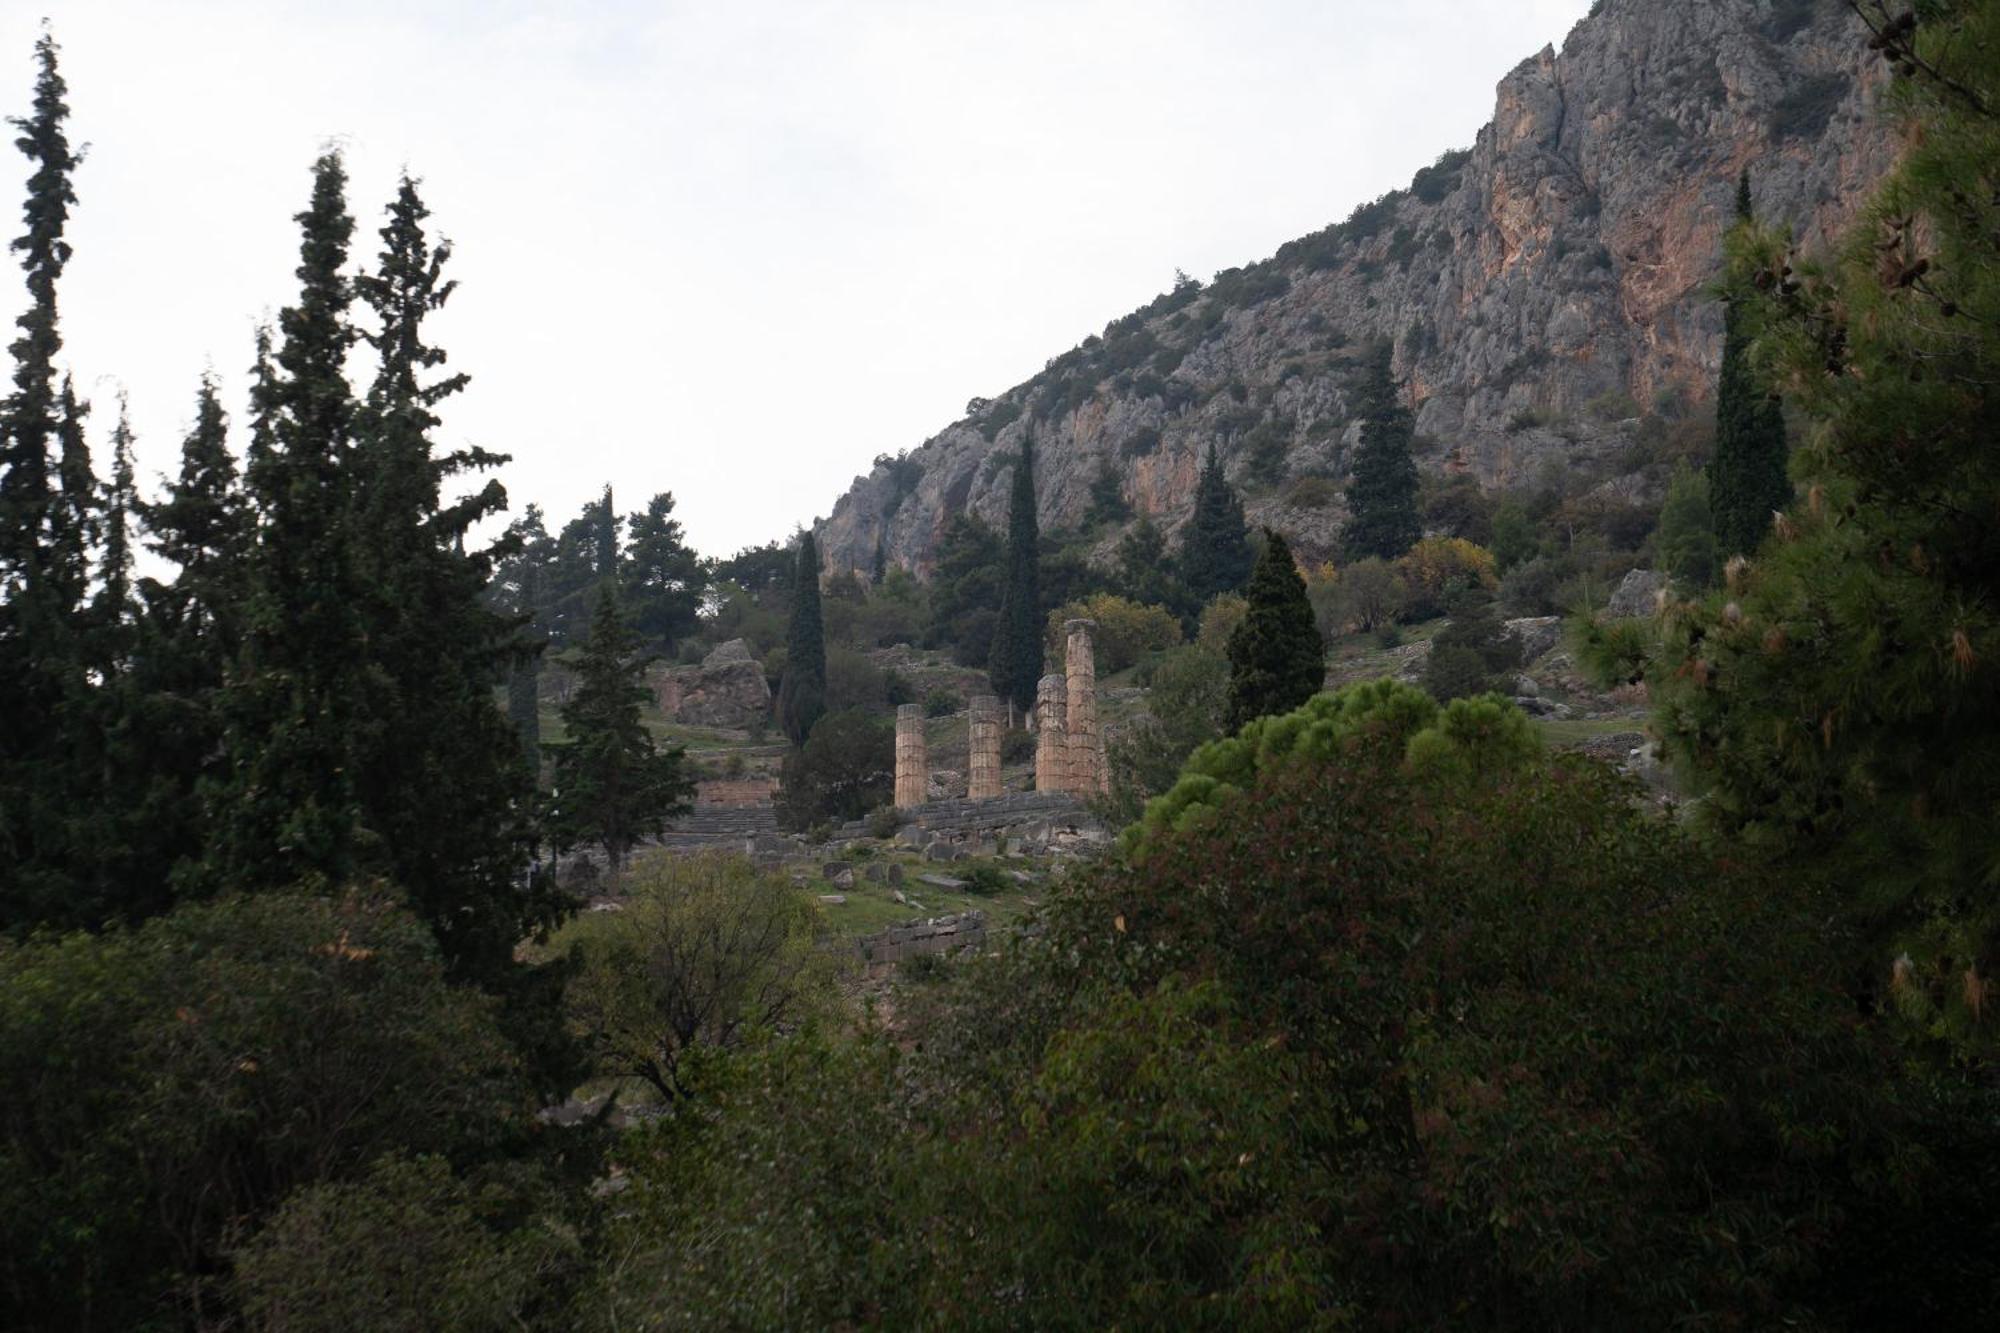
(846, 768)
(1470, 654)
(407, 1247)
(708, 952)
(942, 703)
(163, 1087)
(1219, 619)
(1312, 493)
(884, 821)
(1017, 746)
(1125, 630)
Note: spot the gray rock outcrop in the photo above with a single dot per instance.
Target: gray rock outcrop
(1545, 288)
(727, 690)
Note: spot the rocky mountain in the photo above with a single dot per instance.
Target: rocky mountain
(1546, 290)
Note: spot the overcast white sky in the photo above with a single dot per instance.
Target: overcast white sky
(729, 249)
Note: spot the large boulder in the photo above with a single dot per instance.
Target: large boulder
(1537, 635)
(728, 689)
(1637, 595)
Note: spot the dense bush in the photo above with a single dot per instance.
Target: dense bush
(1438, 567)
(1125, 631)
(707, 952)
(163, 1088)
(846, 768)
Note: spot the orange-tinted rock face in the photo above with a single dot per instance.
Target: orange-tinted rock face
(1533, 284)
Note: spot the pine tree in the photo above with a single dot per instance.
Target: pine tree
(47, 499)
(288, 812)
(1014, 662)
(1839, 700)
(114, 597)
(612, 786)
(1215, 546)
(188, 635)
(1747, 473)
(1383, 516)
(802, 691)
(1470, 654)
(1687, 530)
(1276, 658)
(437, 773)
(518, 584)
(605, 534)
(660, 577)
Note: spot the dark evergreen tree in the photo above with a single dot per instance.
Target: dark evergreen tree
(287, 812)
(604, 532)
(585, 553)
(120, 512)
(437, 772)
(878, 569)
(1384, 518)
(1276, 658)
(965, 590)
(612, 786)
(661, 580)
(802, 692)
(188, 636)
(1470, 653)
(1747, 480)
(1215, 546)
(518, 592)
(46, 498)
(1014, 662)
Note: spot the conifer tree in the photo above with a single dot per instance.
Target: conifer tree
(519, 585)
(46, 498)
(1276, 658)
(1747, 478)
(1383, 516)
(1015, 661)
(1839, 700)
(1687, 530)
(188, 636)
(604, 532)
(437, 773)
(120, 511)
(660, 577)
(288, 812)
(802, 691)
(1215, 546)
(612, 785)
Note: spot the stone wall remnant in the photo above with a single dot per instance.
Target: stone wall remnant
(913, 773)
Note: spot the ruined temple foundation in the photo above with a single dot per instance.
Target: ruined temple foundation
(1051, 740)
(913, 770)
(1085, 746)
(982, 766)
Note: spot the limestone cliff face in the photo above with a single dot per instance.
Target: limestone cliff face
(1540, 289)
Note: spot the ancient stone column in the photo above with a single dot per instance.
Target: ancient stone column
(1051, 744)
(913, 769)
(1086, 747)
(982, 766)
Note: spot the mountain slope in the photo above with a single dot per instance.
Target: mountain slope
(1544, 289)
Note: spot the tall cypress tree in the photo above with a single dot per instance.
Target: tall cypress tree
(1747, 480)
(1276, 659)
(1383, 518)
(287, 811)
(519, 593)
(44, 543)
(437, 773)
(612, 785)
(802, 692)
(1215, 546)
(1015, 660)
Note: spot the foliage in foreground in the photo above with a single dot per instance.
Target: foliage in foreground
(1837, 703)
(163, 1088)
(1417, 1025)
